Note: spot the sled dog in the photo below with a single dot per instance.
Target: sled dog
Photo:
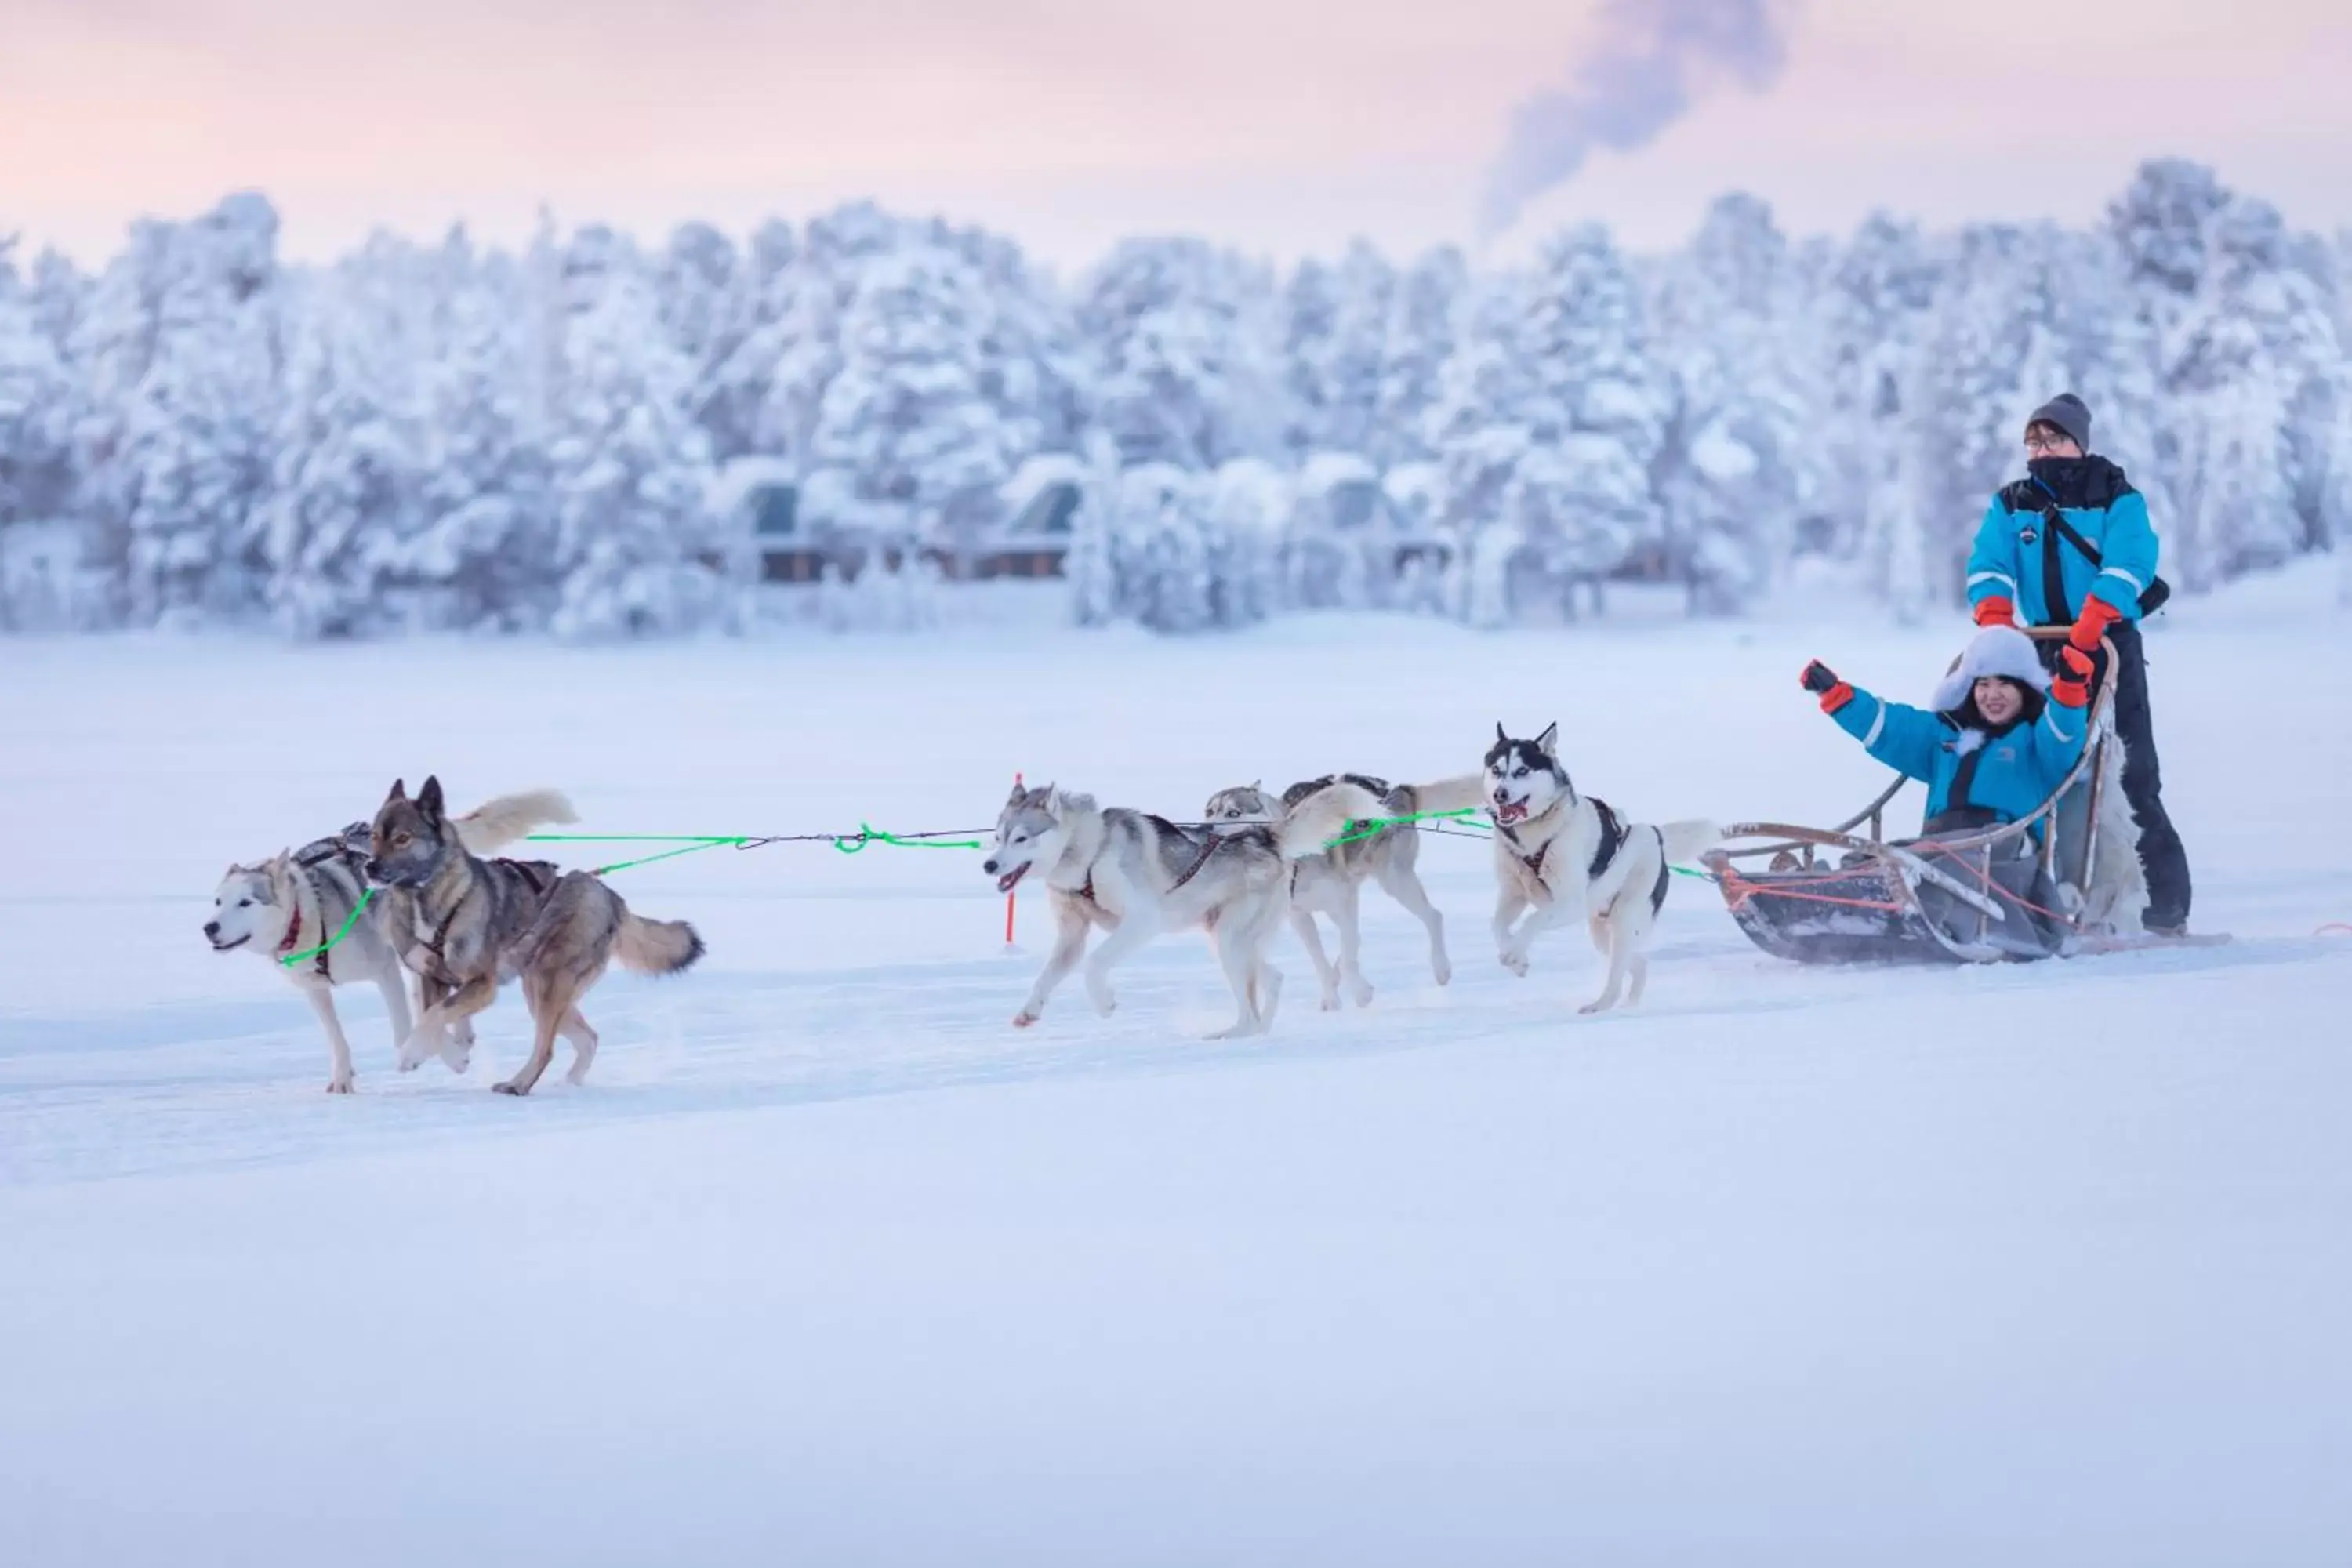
(1136, 874)
(1331, 883)
(1565, 855)
(298, 899)
(464, 925)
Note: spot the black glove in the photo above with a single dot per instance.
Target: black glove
(1819, 678)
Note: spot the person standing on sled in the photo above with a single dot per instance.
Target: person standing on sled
(2070, 545)
(2000, 738)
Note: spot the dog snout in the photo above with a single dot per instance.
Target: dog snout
(212, 930)
(991, 867)
(374, 869)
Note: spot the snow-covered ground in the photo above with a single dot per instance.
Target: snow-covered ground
(827, 1264)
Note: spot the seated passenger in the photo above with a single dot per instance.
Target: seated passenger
(2000, 738)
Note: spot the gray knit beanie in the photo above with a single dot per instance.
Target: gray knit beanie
(2068, 413)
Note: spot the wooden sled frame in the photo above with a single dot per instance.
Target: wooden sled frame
(1897, 871)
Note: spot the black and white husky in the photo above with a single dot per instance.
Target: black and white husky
(1136, 876)
(1331, 883)
(1566, 857)
(297, 899)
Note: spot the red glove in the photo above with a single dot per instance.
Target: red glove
(1996, 611)
(1834, 693)
(2071, 686)
(2091, 624)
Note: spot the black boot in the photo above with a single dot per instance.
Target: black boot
(2161, 856)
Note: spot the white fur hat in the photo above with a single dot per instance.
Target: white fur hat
(1997, 650)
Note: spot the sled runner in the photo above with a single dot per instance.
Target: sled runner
(2007, 891)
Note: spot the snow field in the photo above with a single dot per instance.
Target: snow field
(826, 1263)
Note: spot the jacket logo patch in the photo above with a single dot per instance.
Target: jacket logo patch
(2027, 535)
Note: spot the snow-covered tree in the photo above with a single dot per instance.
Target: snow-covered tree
(2249, 369)
(1417, 340)
(343, 508)
(950, 369)
(629, 468)
(36, 406)
(180, 346)
(485, 540)
(1336, 351)
(1582, 495)
(1181, 338)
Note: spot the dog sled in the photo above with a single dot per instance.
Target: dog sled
(1848, 894)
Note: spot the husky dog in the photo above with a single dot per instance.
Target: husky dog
(1331, 882)
(1137, 875)
(1566, 856)
(299, 899)
(464, 925)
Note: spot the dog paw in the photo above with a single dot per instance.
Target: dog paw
(1442, 972)
(1515, 961)
(509, 1087)
(1360, 993)
(459, 1061)
(339, 1085)
(1106, 1003)
(1329, 1002)
(1023, 1019)
(1592, 1007)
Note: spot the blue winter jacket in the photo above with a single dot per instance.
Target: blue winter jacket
(2009, 774)
(2014, 549)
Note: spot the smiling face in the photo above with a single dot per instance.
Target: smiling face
(1999, 699)
(1524, 778)
(246, 909)
(1028, 834)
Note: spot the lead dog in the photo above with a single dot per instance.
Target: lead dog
(1331, 883)
(1136, 874)
(1567, 857)
(298, 899)
(466, 924)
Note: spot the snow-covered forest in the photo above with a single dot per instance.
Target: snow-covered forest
(447, 437)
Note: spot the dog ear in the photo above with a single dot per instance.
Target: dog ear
(1018, 795)
(1501, 738)
(1549, 742)
(428, 799)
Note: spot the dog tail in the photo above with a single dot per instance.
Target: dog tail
(495, 824)
(1324, 816)
(1462, 793)
(656, 947)
(1686, 839)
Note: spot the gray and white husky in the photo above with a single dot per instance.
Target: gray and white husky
(1560, 855)
(296, 899)
(1331, 883)
(1136, 876)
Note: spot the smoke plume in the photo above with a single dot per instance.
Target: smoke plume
(1652, 59)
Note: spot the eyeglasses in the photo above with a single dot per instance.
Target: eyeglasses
(2041, 443)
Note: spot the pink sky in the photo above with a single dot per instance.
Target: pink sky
(1281, 125)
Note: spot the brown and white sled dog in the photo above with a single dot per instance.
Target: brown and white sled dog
(298, 899)
(1332, 883)
(464, 925)
(1565, 856)
(1136, 876)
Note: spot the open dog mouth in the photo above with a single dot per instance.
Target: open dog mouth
(231, 946)
(1005, 883)
(1510, 812)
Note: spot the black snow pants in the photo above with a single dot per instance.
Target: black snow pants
(2161, 858)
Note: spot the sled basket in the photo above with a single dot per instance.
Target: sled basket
(1834, 895)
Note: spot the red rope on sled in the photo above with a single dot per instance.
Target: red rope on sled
(1741, 889)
